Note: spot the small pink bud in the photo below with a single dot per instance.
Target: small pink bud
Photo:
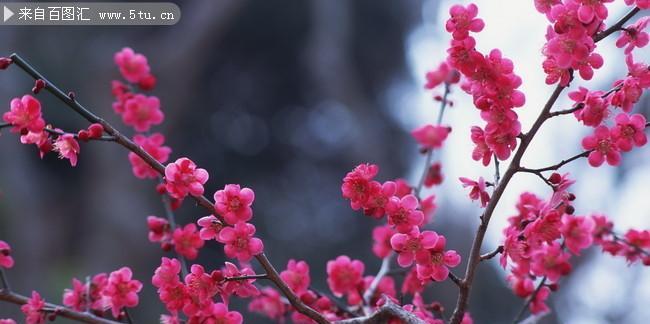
(39, 84)
(147, 83)
(160, 188)
(217, 276)
(555, 178)
(176, 203)
(95, 130)
(570, 210)
(166, 246)
(5, 62)
(83, 135)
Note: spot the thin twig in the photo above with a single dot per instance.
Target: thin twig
(247, 277)
(530, 299)
(103, 138)
(429, 157)
(4, 280)
(342, 306)
(582, 105)
(61, 311)
(490, 255)
(497, 173)
(455, 279)
(129, 319)
(167, 204)
(383, 271)
(617, 26)
(387, 312)
(556, 166)
(204, 202)
(88, 299)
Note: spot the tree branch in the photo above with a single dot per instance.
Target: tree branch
(474, 257)
(557, 166)
(383, 271)
(617, 26)
(488, 256)
(530, 299)
(429, 157)
(204, 202)
(167, 204)
(83, 317)
(102, 138)
(247, 277)
(384, 314)
(582, 105)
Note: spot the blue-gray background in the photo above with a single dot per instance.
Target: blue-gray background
(286, 97)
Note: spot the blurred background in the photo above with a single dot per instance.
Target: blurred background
(285, 97)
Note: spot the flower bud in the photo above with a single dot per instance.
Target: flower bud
(5, 62)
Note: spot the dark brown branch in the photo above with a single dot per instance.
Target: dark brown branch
(617, 26)
(582, 105)
(497, 172)
(247, 277)
(3, 125)
(530, 299)
(384, 314)
(474, 256)
(204, 202)
(490, 255)
(341, 305)
(61, 311)
(557, 166)
(102, 138)
(455, 279)
(4, 280)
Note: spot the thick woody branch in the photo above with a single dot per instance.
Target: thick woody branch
(204, 202)
(61, 311)
(384, 314)
(475, 257)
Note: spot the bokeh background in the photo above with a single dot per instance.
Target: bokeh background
(285, 97)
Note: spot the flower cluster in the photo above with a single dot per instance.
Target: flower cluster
(194, 295)
(634, 245)
(540, 239)
(422, 251)
(569, 40)
(25, 117)
(491, 81)
(116, 291)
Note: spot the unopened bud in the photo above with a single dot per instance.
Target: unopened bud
(5, 62)
(555, 178)
(39, 84)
